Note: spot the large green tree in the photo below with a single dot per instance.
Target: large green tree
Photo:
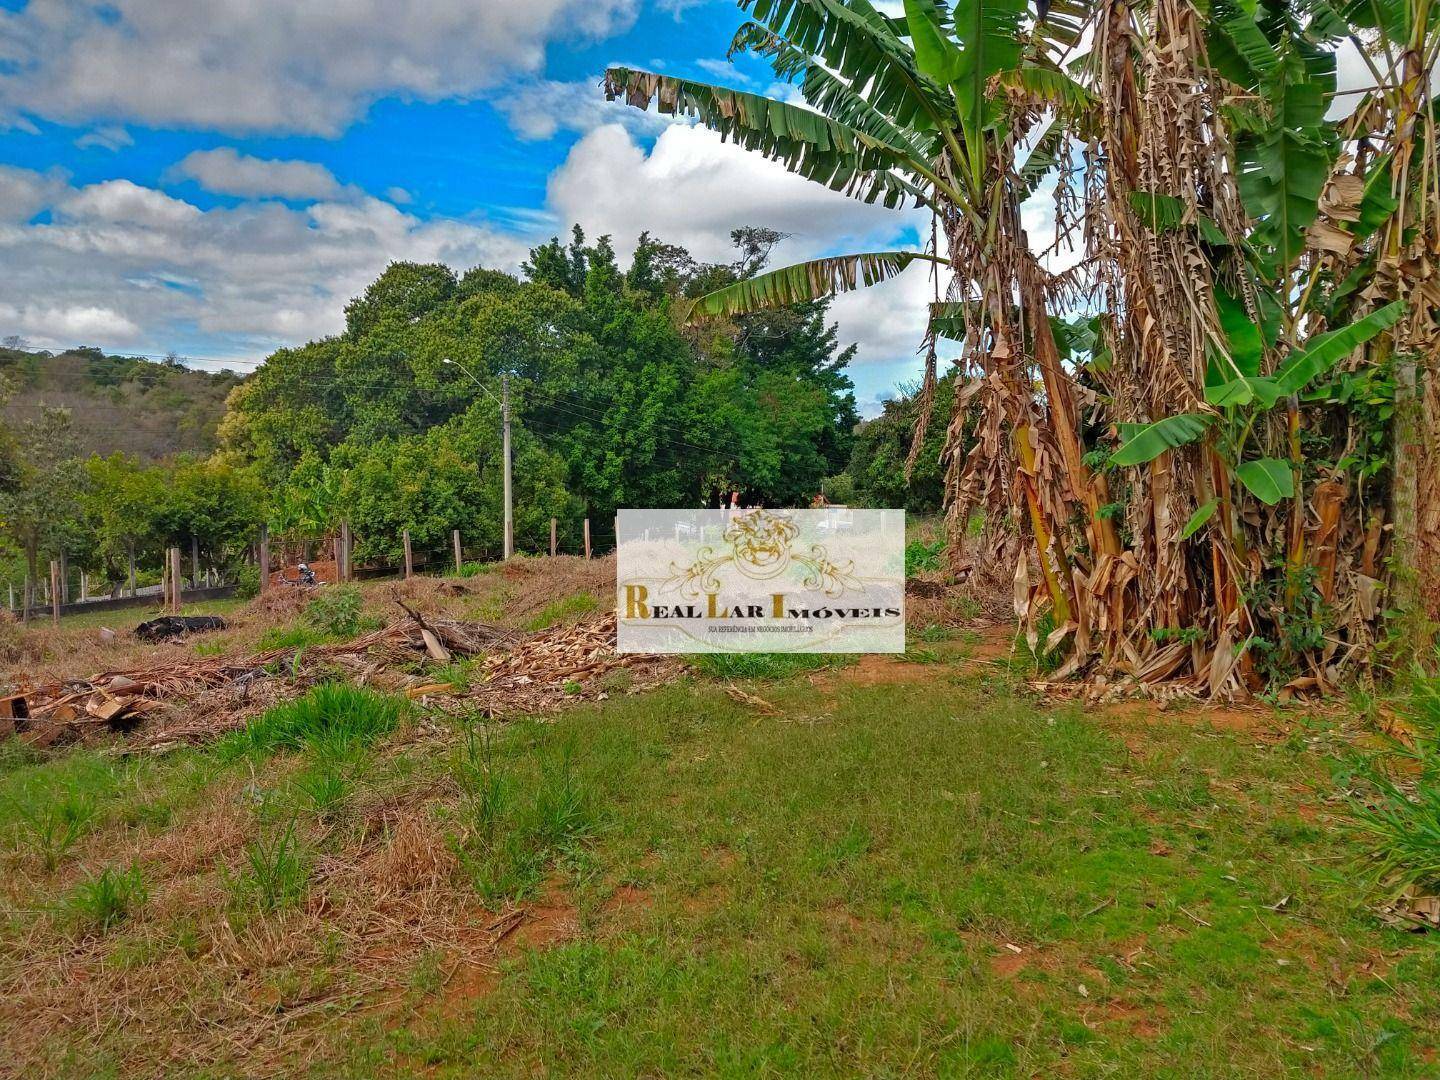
(606, 384)
(40, 503)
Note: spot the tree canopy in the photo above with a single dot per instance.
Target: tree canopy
(615, 402)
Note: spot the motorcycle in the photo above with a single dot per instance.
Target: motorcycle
(306, 578)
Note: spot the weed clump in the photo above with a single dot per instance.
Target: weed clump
(337, 611)
(275, 874)
(510, 835)
(291, 637)
(567, 607)
(102, 900)
(921, 556)
(51, 828)
(1394, 807)
(335, 715)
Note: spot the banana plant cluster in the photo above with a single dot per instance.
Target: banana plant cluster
(1172, 418)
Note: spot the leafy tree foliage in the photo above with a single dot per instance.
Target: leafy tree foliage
(39, 505)
(614, 402)
(877, 466)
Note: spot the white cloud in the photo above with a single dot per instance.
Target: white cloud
(118, 263)
(692, 189)
(24, 193)
(723, 70)
(540, 109)
(126, 204)
(108, 137)
(74, 325)
(227, 172)
(272, 65)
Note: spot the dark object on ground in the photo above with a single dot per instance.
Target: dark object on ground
(172, 626)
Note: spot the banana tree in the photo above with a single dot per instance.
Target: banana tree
(1249, 273)
(1244, 231)
(935, 109)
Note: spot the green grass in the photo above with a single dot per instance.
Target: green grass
(765, 665)
(568, 607)
(512, 829)
(933, 634)
(274, 875)
(1394, 797)
(837, 899)
(331, 715)
(49, 804)
(105, 899)
(831, 891)
(460, 674)
(292, 637)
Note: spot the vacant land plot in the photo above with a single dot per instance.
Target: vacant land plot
(904, 866)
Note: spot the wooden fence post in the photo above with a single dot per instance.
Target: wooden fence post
(409, 560)
(455, 538)
(55, 592)
(552, 538)
(176, 578)
(345, 572)
(587, 538)
(264, 559)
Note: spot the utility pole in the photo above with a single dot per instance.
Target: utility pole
(505, 418)
(508, 533)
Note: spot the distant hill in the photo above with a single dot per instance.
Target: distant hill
(146, 408)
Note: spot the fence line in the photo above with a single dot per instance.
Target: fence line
(52, 591)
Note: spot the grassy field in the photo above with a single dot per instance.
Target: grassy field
(885, 868)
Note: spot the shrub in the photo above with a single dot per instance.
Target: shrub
(102, 900)
(334, 714)
(337, 611)
(247, 581)
(922, 555)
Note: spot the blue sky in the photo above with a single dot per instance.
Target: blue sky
(219, 178)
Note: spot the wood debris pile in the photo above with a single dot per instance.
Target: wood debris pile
(548, 669)
(198, 699)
